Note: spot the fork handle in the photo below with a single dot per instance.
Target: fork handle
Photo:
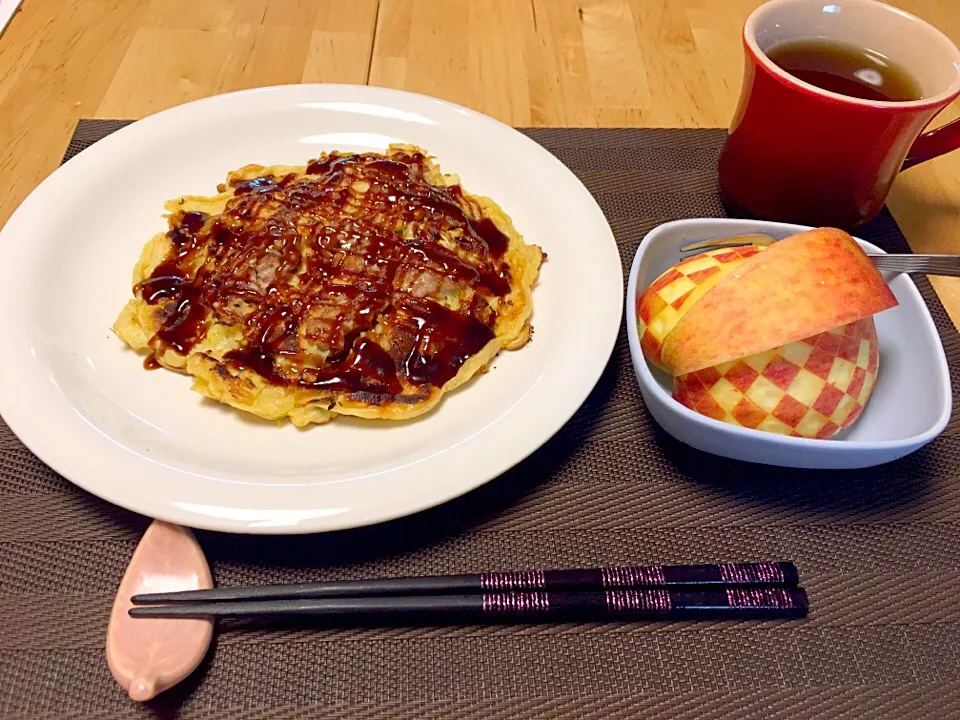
(947, 265)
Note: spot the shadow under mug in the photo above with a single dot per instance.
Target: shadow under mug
(800, 154)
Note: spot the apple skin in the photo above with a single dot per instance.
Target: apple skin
(801, 286)
(779, 338)
(811, 388)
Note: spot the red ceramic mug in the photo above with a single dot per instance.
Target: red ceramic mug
(801, 154)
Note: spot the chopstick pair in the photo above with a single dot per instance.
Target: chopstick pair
(729, 590)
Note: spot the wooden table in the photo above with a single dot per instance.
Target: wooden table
(637, 63)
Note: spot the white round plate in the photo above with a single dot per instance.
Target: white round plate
(143, 440)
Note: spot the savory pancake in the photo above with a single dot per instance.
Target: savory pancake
(361, 284)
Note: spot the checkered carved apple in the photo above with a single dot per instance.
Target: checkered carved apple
(673, 293)
(779, 339)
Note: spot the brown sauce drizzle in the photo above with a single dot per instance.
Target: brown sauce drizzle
(337, 279)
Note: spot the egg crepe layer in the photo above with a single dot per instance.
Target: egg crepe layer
(360, 284)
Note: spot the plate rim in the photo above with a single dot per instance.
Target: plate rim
(13, 413)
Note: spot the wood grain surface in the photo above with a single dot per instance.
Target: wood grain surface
(578, 63)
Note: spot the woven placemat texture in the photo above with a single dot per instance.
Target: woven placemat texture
(878, 549)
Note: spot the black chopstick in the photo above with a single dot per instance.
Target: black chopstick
(724, 574)
(650, 604)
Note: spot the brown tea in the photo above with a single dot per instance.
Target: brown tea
(845, 69)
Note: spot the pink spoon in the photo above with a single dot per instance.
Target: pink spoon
(148, 656)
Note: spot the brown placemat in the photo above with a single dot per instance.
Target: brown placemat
(879, 551)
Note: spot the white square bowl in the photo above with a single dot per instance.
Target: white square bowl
(910, 404)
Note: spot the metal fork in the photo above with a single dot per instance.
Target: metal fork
(946, 265)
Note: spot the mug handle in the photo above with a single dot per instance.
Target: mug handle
(931, 144)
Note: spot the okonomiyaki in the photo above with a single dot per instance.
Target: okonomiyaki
(365, 284)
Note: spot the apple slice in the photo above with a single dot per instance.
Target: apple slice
(802, 286)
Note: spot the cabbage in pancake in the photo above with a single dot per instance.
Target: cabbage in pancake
(361, 284)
